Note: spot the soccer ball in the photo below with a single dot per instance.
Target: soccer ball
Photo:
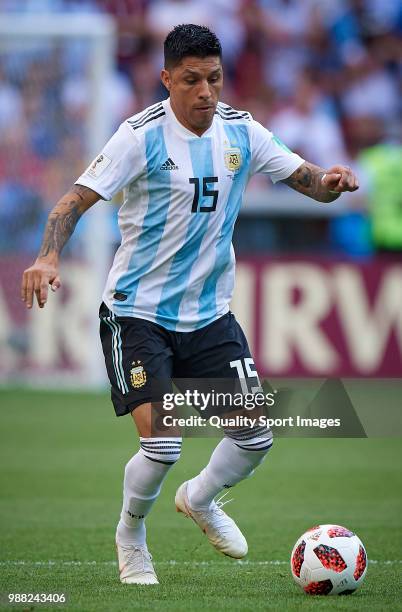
(328, 560)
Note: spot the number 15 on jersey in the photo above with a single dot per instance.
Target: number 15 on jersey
(206, 192)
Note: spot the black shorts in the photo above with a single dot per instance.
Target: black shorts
(142, 358)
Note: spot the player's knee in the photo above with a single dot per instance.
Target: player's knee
(162, 450)
(255, 440)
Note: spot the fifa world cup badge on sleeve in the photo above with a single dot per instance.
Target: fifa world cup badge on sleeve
(233, 159)
(99, 164)
(138, 375)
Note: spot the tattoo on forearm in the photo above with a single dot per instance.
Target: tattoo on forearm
(61, 223)
(307, 180)
(304, 176)
(80, 190)
(64, 217)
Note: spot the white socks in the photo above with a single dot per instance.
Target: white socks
(235, 458)
(232, 461)
(143, 479)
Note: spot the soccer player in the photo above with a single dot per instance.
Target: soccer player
(184, 164)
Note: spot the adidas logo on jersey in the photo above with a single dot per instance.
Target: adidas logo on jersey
(169, 165)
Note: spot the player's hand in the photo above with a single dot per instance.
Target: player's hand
(36, 280)
(340, 179)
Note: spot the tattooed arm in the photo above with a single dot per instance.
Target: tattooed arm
(60, 225)
(322, 185)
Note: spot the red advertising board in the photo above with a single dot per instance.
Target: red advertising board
(303, 317)
(322, 317)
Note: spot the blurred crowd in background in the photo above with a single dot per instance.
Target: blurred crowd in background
(324, 76)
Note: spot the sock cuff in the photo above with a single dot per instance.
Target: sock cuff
(163, 450)
(178, 440)
(251, 439)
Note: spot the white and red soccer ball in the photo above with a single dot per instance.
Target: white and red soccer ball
(329, 560)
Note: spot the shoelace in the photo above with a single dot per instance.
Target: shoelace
(219, 503)
(220, 522)
(218, 512)
(143, 561)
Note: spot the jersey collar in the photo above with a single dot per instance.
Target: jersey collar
(179, 127)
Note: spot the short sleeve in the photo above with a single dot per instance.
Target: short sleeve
(270, 156)
(118, 164)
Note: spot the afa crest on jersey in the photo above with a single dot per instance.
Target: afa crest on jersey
(138, 376)
(233, 159)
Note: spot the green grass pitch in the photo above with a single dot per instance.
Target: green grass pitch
(62, 459)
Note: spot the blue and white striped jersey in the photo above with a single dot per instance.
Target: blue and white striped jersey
(182, 194)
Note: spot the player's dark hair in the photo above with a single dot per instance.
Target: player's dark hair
(189, 39)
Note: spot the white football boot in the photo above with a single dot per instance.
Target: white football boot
(220, 529)
(135, 565)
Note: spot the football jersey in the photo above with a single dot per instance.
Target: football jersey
(182, 194)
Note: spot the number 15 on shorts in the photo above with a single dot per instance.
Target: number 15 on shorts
(246, 369)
